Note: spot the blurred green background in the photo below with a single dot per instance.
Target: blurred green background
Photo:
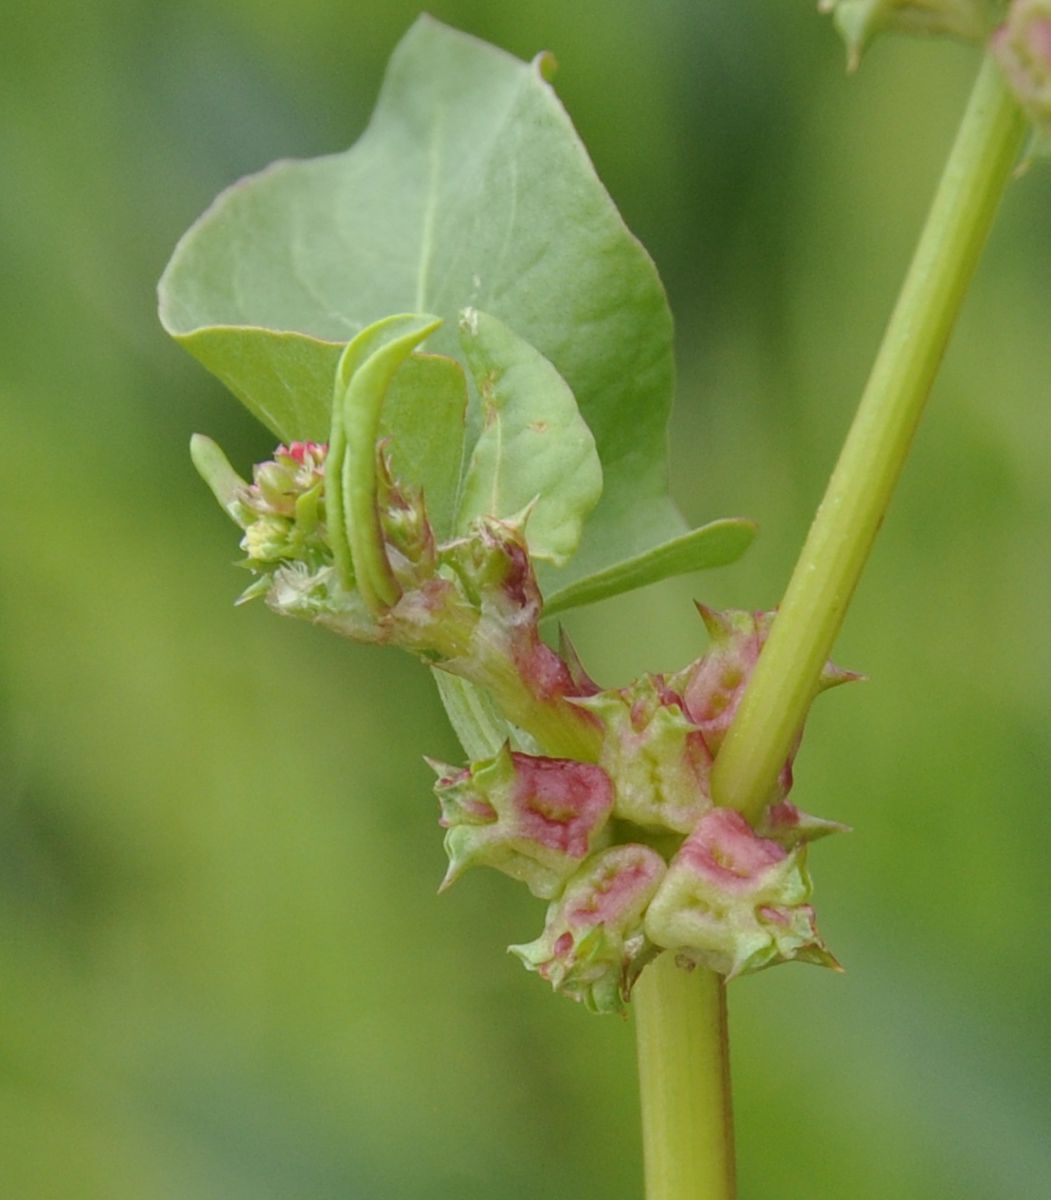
(224, 972)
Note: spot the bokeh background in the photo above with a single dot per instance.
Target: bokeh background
(224, 972)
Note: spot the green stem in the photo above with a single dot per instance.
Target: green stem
(681, 1018)
(684, 1083)
(784, 683)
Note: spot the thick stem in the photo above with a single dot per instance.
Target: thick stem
(784, 682)
(684, 1083)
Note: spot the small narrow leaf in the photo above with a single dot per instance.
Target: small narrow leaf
(534, 448)
(712, 545)
(214, 468)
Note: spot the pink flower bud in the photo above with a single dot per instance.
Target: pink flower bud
(293, 471)
(536, 819)
(494, 566)
(712, 687)
(656, 755)
(734, 902)
(593, 945)
(282, 512)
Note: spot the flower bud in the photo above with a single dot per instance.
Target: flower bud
(281, 511)
(1022, 46)
(492, 561)
(734, 902)
(712, 687)
(505, 654)
(294, 470)
(656, 755)
(493, 567)
(406, 528)
(536, 819)
(593, 945)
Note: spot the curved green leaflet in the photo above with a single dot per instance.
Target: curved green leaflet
(364, 375)
(535, 452)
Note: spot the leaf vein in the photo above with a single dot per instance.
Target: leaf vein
(430, 208)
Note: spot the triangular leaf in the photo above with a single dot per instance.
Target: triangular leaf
(469, 188)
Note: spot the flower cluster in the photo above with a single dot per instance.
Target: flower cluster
(282, 513)
(599, 800)
(631, 851)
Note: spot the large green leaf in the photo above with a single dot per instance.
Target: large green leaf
(469, 188)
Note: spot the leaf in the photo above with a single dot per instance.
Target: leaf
(423, 415)
(534, 444)
(214, 468)
(473, 716)
(712, 545)
(469, 188)
(476, 720)
(284, 379)
(363, 377)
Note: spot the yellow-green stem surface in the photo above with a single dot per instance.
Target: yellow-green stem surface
(681, 1018)
(780, 691)
(684, 1083)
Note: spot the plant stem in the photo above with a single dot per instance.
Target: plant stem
(684, 1083)
(779, 693)
(681, 1018)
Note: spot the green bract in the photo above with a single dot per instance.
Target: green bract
(468, 190)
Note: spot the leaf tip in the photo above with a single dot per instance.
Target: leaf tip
(214, 468)
(546, 65)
